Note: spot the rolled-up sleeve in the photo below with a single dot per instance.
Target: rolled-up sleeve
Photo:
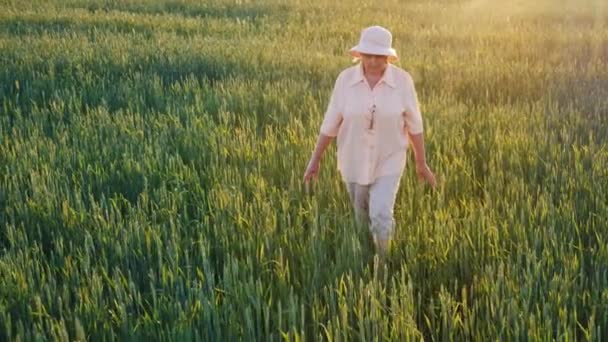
(333, 114)
(413, 117)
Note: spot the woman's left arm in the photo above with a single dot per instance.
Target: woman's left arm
(414, 129)
(422, 169)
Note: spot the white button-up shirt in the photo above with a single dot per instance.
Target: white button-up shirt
(365, 154)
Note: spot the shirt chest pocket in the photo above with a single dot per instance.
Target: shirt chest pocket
(390, 110)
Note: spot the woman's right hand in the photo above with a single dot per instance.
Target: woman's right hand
(312, 170)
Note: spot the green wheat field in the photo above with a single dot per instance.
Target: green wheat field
(152, 155)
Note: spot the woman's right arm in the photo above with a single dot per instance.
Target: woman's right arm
(329, 129)
(312, 170)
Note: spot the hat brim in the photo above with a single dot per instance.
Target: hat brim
(356, 51)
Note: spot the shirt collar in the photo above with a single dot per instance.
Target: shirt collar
(388, 77)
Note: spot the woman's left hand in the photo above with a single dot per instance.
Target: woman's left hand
(425, 174)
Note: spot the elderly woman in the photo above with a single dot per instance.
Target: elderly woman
(373, 111)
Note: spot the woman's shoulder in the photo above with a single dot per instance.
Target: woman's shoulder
(401, 73)
(347, 74)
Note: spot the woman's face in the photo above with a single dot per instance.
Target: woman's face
(374, 63)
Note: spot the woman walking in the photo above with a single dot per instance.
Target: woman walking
(373, 111)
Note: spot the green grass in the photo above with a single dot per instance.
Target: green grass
(151, 157)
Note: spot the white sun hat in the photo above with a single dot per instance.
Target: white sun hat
(375, 40)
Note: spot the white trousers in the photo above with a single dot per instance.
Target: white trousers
(374, 203)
